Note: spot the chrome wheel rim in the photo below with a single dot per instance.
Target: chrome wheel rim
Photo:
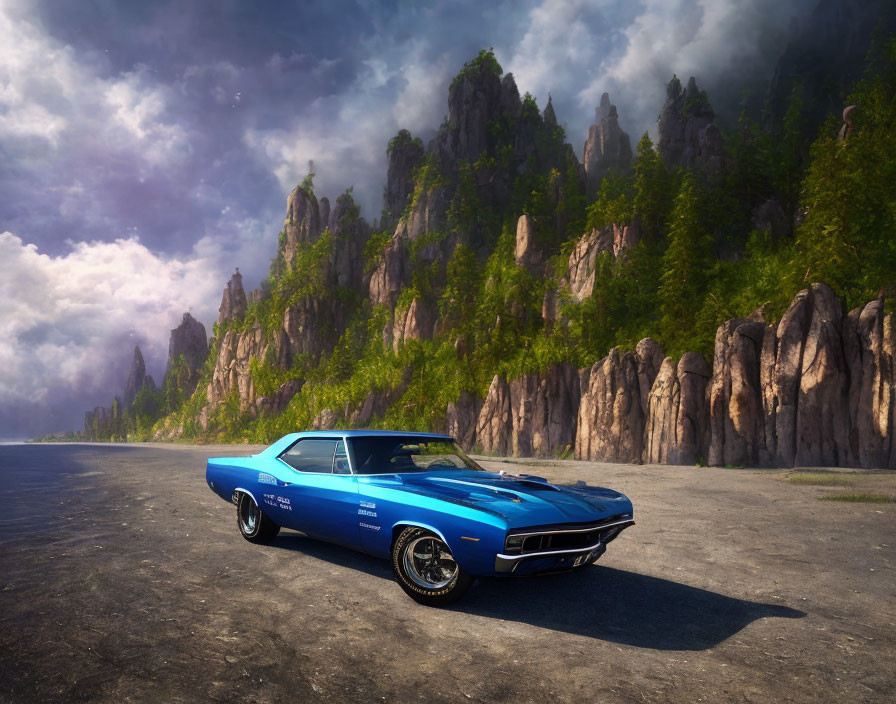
(248, 515)
(429, 563)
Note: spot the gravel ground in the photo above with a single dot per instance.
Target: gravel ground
(124, 579)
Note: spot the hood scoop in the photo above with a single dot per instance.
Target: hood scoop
(529, 480)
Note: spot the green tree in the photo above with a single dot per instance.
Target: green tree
(652, 188)
(789, 151)
(847, 239)
(176, 381)
(685, 263)
(613, 203)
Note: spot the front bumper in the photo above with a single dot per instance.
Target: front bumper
(532, 562)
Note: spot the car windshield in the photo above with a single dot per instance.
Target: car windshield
(396, 455)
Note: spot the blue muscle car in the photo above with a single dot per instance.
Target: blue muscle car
(418, 499)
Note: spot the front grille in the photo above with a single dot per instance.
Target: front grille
(524, 541)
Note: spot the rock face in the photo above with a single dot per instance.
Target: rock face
(375, 404)
(613, 410)
(676, 431)
(415, 323)
(313, 321)
(280, 399)
(388, 276)
(303, 221)
(301, 327)
(817, 390)
(405, 154)
(527, 252)
(188, 340)
(325, 420)
(475, 99)
(461, 417)
(493, 427)
(734, 399)
(870, 347)
(231, 373)
(350, 233)
(490, 127)
(233, 302)
(543, 411)
(822, 427)
(607, 148)
(581, 268)
(136, 378)
(688, 138)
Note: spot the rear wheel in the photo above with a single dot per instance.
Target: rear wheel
(254, 523)
(425, 568)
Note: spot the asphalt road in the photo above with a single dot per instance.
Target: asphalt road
(124, 579)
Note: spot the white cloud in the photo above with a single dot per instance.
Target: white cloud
(578, 50)
(421, 101)
(346, 134)
(49, 92)
(64, 316)
(563, 40)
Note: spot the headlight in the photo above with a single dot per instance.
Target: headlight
(513, 545)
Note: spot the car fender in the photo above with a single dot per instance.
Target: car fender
(475, 556)
(418, 524)
(245, 491)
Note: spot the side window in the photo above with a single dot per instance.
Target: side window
(340, 460)
(312, 455)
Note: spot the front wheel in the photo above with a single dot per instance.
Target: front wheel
(254, 524)
(425, 568)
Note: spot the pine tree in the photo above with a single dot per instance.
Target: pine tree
(653, 188)
(685, 262)
(848, 239)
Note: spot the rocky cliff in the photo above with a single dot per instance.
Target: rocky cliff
(688, 136)
(233, 302)
(137, 378)
(608, 149)
(103, 423)
(319, 269)
(817, 389)
(405, 154)
(482, 263)
(188, 344)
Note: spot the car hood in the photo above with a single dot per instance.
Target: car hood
(522, 500)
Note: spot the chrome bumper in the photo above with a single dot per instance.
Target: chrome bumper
(509, 563)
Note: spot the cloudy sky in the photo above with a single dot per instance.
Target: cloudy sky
(147, 148)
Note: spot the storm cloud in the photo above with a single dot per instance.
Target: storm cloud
(147, 148)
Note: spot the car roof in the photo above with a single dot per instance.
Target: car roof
(369, 433)
(280, 445)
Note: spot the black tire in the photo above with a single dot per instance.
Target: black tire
(254, 524)
(429, 576)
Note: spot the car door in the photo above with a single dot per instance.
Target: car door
(322, 499)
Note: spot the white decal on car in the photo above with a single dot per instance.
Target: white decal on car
(266, 479)
(276, 501)
(365, 512)
(368, 526)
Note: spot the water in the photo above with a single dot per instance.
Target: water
(36, 484)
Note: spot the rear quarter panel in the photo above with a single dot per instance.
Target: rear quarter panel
(224, 475)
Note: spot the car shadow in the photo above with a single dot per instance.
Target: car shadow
(333, 552)
(621, 607)
(599, 602)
